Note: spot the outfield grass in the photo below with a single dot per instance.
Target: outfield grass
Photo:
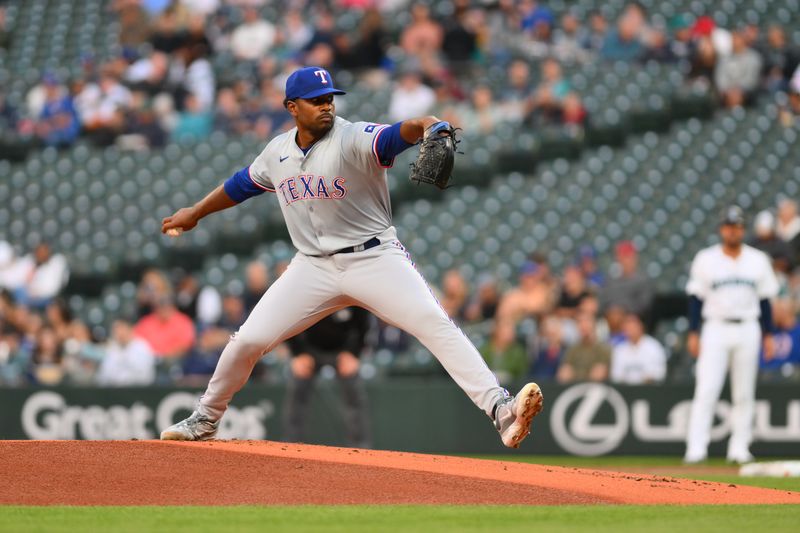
(665, 465)
(616, 519)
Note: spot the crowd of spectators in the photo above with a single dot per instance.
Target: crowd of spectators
(166, 83)
(582, 324)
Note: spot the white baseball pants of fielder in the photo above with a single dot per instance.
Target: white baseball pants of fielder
(724, 345)
(384, 281)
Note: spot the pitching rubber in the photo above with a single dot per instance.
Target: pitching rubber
(529, 404)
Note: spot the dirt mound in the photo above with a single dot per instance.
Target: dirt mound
(271, 473)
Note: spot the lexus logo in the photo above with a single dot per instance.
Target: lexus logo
(581, 435)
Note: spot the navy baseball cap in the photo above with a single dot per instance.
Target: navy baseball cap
(732, 215)
(310, 82)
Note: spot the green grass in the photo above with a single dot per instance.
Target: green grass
(616, 519)
(671, 466)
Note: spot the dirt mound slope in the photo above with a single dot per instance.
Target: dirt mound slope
(274, 473)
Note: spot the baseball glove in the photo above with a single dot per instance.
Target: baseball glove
(437, 152)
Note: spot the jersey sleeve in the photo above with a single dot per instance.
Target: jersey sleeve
(767, 286)
(259, 170)
(698, 283)
(360, 145)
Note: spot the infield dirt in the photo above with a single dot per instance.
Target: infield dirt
(274, 473)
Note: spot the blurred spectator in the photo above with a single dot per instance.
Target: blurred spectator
(537, 25)
(148, 73)
(297, 33)
(533, 297)
(573, 290)
(128, 361)
(485, 301)
(410, 98)
(702, 64)
(504, 354)
(194, 123)
(228, 113)
(549, 349)
(624, 42)
(587, 360)
(202, 360)
(45, 274)
(134, 28)
(640, 358)
(788, 225)
(481, 113)
(12, 269)
(721, 39)
(58, 123)
(736, 76)
(201, 304)
(46, 366)
(573, 114)
(195, 35)
(169, 332)
(102, 108)
(423, 36)
(168, 26)
(454, 295)
(324, 30)
(515, 98)
(153, 287)
(630, 289)
(598, 32)
(196, 78)
(547, 101)
(780, 60)
(569, 39)
(794, 93)
(659, 48)
(370, 45)
(766, 240)
(59, 317)
(681, 45)
(786, 360)
(253, 38)
(256, 284)
(80, 356)
(587, 260)
(201, 7)
(142, 130)
(460, 41)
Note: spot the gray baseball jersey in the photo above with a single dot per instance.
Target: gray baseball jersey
(343, 169)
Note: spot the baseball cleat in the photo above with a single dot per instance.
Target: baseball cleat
(692, 459)
(514, 414)
(196, 427)
(741, 459)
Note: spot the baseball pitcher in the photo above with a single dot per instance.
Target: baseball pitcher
(330, 179)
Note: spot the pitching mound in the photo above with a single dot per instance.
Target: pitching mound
(272, 473)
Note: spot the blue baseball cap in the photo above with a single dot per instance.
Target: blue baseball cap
(310, 82)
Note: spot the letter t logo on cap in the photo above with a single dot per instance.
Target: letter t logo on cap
(322, 75)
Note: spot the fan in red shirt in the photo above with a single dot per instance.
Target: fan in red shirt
(169, 332)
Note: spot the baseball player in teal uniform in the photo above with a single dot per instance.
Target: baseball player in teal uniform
(330, 179)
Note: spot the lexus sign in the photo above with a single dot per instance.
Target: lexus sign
(593, 419)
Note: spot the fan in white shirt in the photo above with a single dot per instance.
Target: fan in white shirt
(129, 360)
(640, 358)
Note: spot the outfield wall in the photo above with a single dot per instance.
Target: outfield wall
(414, 415)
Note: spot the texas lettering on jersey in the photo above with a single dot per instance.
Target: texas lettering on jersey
(310, 187)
